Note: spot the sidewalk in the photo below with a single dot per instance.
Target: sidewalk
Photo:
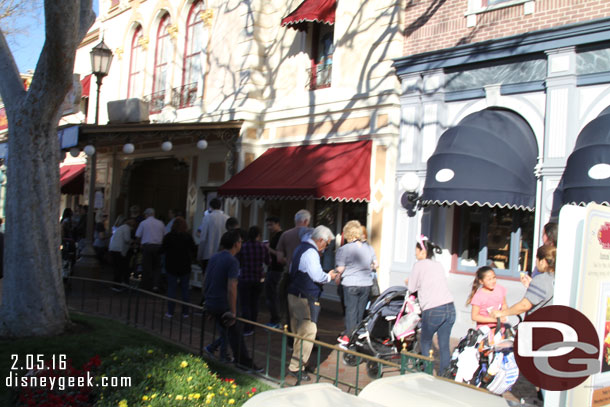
(330, 324)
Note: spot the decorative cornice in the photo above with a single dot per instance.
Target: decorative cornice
(517, 45)
(90, 37)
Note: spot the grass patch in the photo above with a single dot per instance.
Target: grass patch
(89, 336)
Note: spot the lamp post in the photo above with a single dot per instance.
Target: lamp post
(101, 58)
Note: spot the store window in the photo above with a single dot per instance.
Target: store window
(497, 237)
(136, 65)
(322, 49)
(335, 215)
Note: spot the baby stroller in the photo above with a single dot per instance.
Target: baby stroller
(391, 321)
(485, 358)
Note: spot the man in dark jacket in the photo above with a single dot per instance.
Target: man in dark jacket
(306, 278)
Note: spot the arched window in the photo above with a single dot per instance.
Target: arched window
(136, 66)
(163, 50)
(196, 42)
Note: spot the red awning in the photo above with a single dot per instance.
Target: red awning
(86, 84)
(338, 171)
(72, 179)
(310, 11)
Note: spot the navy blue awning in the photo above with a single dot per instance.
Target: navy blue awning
(488, 159)
(586, 177)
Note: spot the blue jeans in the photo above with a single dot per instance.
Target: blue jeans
(172, 286)
(355, 298)
(249, 292)
(438, 320)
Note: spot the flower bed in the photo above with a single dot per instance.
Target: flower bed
(160, 379)
(155, 378)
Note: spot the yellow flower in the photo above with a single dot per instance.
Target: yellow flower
(148, 376)
(150, 351)
(123, 403)
(234, 386)
(184, 364)
(196, 396)
(232, 401)
(144, 398)
(188, 379)
(209, 387)
(153, 396)
(209, 396)
(208, 401)
(179, 397)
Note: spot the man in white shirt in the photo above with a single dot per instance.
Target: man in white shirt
(306, 278)
(150, 234)
(211, 230)
(118, 248)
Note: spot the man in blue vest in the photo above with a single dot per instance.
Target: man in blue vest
(306, 279)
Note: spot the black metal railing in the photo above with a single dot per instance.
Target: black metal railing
(156, 101)
(184, 96)
(320, 76)
(146, 310)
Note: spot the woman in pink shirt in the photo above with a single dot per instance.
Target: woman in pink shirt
(486, 296)
(428, 279)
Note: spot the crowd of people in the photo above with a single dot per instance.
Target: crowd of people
(288, 269)
(487, 298)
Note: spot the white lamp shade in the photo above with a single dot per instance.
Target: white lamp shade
(128, 148)
(409, 182)
(167, 146)
(89, 150)
(74, 152)
(101, 58)
(202, 144)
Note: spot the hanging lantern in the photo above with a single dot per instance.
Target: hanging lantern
(128, 148)
(202, 144)
(167, 146)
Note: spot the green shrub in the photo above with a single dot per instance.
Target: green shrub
(161, 379)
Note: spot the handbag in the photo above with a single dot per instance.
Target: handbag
(375, 287)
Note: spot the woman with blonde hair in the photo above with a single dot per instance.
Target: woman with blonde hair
(540, 289)
(354, 261)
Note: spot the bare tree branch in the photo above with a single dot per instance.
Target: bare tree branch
(11, 87)
(12, 13)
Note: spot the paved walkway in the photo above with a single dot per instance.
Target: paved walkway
(146, 311)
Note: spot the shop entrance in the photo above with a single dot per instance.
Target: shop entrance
(157, 183)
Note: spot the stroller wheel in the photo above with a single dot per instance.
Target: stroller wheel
(374, 369)
(350, 360)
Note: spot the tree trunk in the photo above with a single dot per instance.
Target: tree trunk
(33, 300)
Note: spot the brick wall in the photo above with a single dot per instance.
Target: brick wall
(437, 24)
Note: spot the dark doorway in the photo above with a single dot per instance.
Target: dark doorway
(158, 183)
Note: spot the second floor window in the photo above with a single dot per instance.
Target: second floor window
(196, 43)
(163, 50)
(136, 66)
(322, 49)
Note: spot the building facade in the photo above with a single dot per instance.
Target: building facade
(497, 99)
(307, 81)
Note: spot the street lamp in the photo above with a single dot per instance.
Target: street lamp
(101, 58)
